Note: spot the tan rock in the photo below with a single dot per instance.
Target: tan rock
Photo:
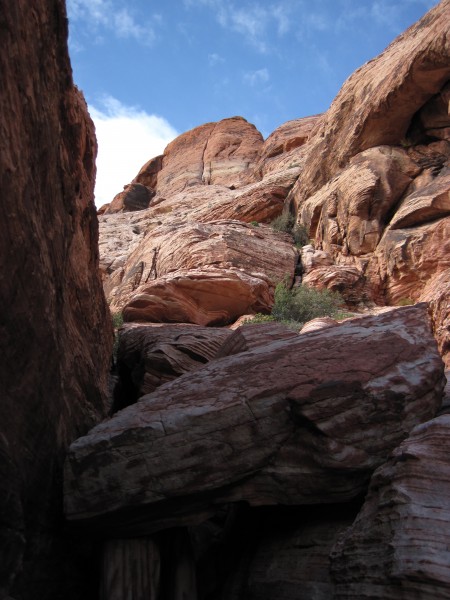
(215, 153)
(56, 336)
(280, 149)
(208, 273)
(280, 433)
(348, 281)
(398, 545)
(377, 103)
(318, 323)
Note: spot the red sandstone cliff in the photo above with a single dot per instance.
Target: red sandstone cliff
(55, 332)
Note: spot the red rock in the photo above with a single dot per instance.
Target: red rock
(280, 433)
(318, 323)
(215, 153)
(437, 293)
(149, 356)
(377, 103)
(348, 281)
(207, 274)
(280, 149)
(56, 335)
(398, 545)
(134, 197)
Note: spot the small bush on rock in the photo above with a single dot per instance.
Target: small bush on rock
(286, 223)
(301, 304)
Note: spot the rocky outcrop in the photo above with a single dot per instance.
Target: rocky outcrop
(216, 153)
(55, 328)
(281, 434)
(373, 191)
(203, 273)
(282, 149)
(398, 545)
(377, 103)
(149, 356)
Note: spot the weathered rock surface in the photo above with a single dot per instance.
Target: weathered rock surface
(56, 336)
(282, 434)
(215, 153)
(207, 274)
(281, 148)
(398, 545)
(149, 356)
(135, 196)
(378, 102)
(291, 560)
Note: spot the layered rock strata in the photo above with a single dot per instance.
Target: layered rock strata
(55, 328)
(281, 434)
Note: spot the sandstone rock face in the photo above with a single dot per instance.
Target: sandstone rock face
(398, 545)
(135, 196)
(377, 103)
(373, 191)
(281, 434)
(215, 153)
(281, 148)
(149, 356)
(56, 336)
(208, 273)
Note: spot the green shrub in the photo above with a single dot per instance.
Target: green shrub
(286, 223)
(117, 320)
(405, 302)
(254, 223)
(301, 304)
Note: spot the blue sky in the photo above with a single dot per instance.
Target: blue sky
(152, 70)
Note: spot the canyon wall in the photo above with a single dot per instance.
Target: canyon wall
(55, 331)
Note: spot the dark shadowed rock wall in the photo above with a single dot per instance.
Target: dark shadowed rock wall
(55, 332)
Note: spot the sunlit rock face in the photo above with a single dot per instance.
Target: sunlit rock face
(56, 336)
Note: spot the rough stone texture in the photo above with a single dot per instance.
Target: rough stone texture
(134, 197)
(206, 274)
(280, 149)
(348, 281)
(437, 294)
(214, 153)
(398, 546)
(121, 233)
(55, 332)
(377, 103)
(149, 356)
(281, 434)
(406, 259)
(292, 560)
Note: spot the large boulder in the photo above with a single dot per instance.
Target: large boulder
(214, 153)
(56, 334)
(398, 545)
(203, 273)
(280, 423)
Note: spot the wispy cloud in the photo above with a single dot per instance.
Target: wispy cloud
(215, 59)
(113, 16)
(385, 13)
(253, 21)
(254, 78)
(127, 138)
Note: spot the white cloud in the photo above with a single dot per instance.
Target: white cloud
(215, 59)
(253, 21)
(255, 77)
(114, 16)
(127, 138)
